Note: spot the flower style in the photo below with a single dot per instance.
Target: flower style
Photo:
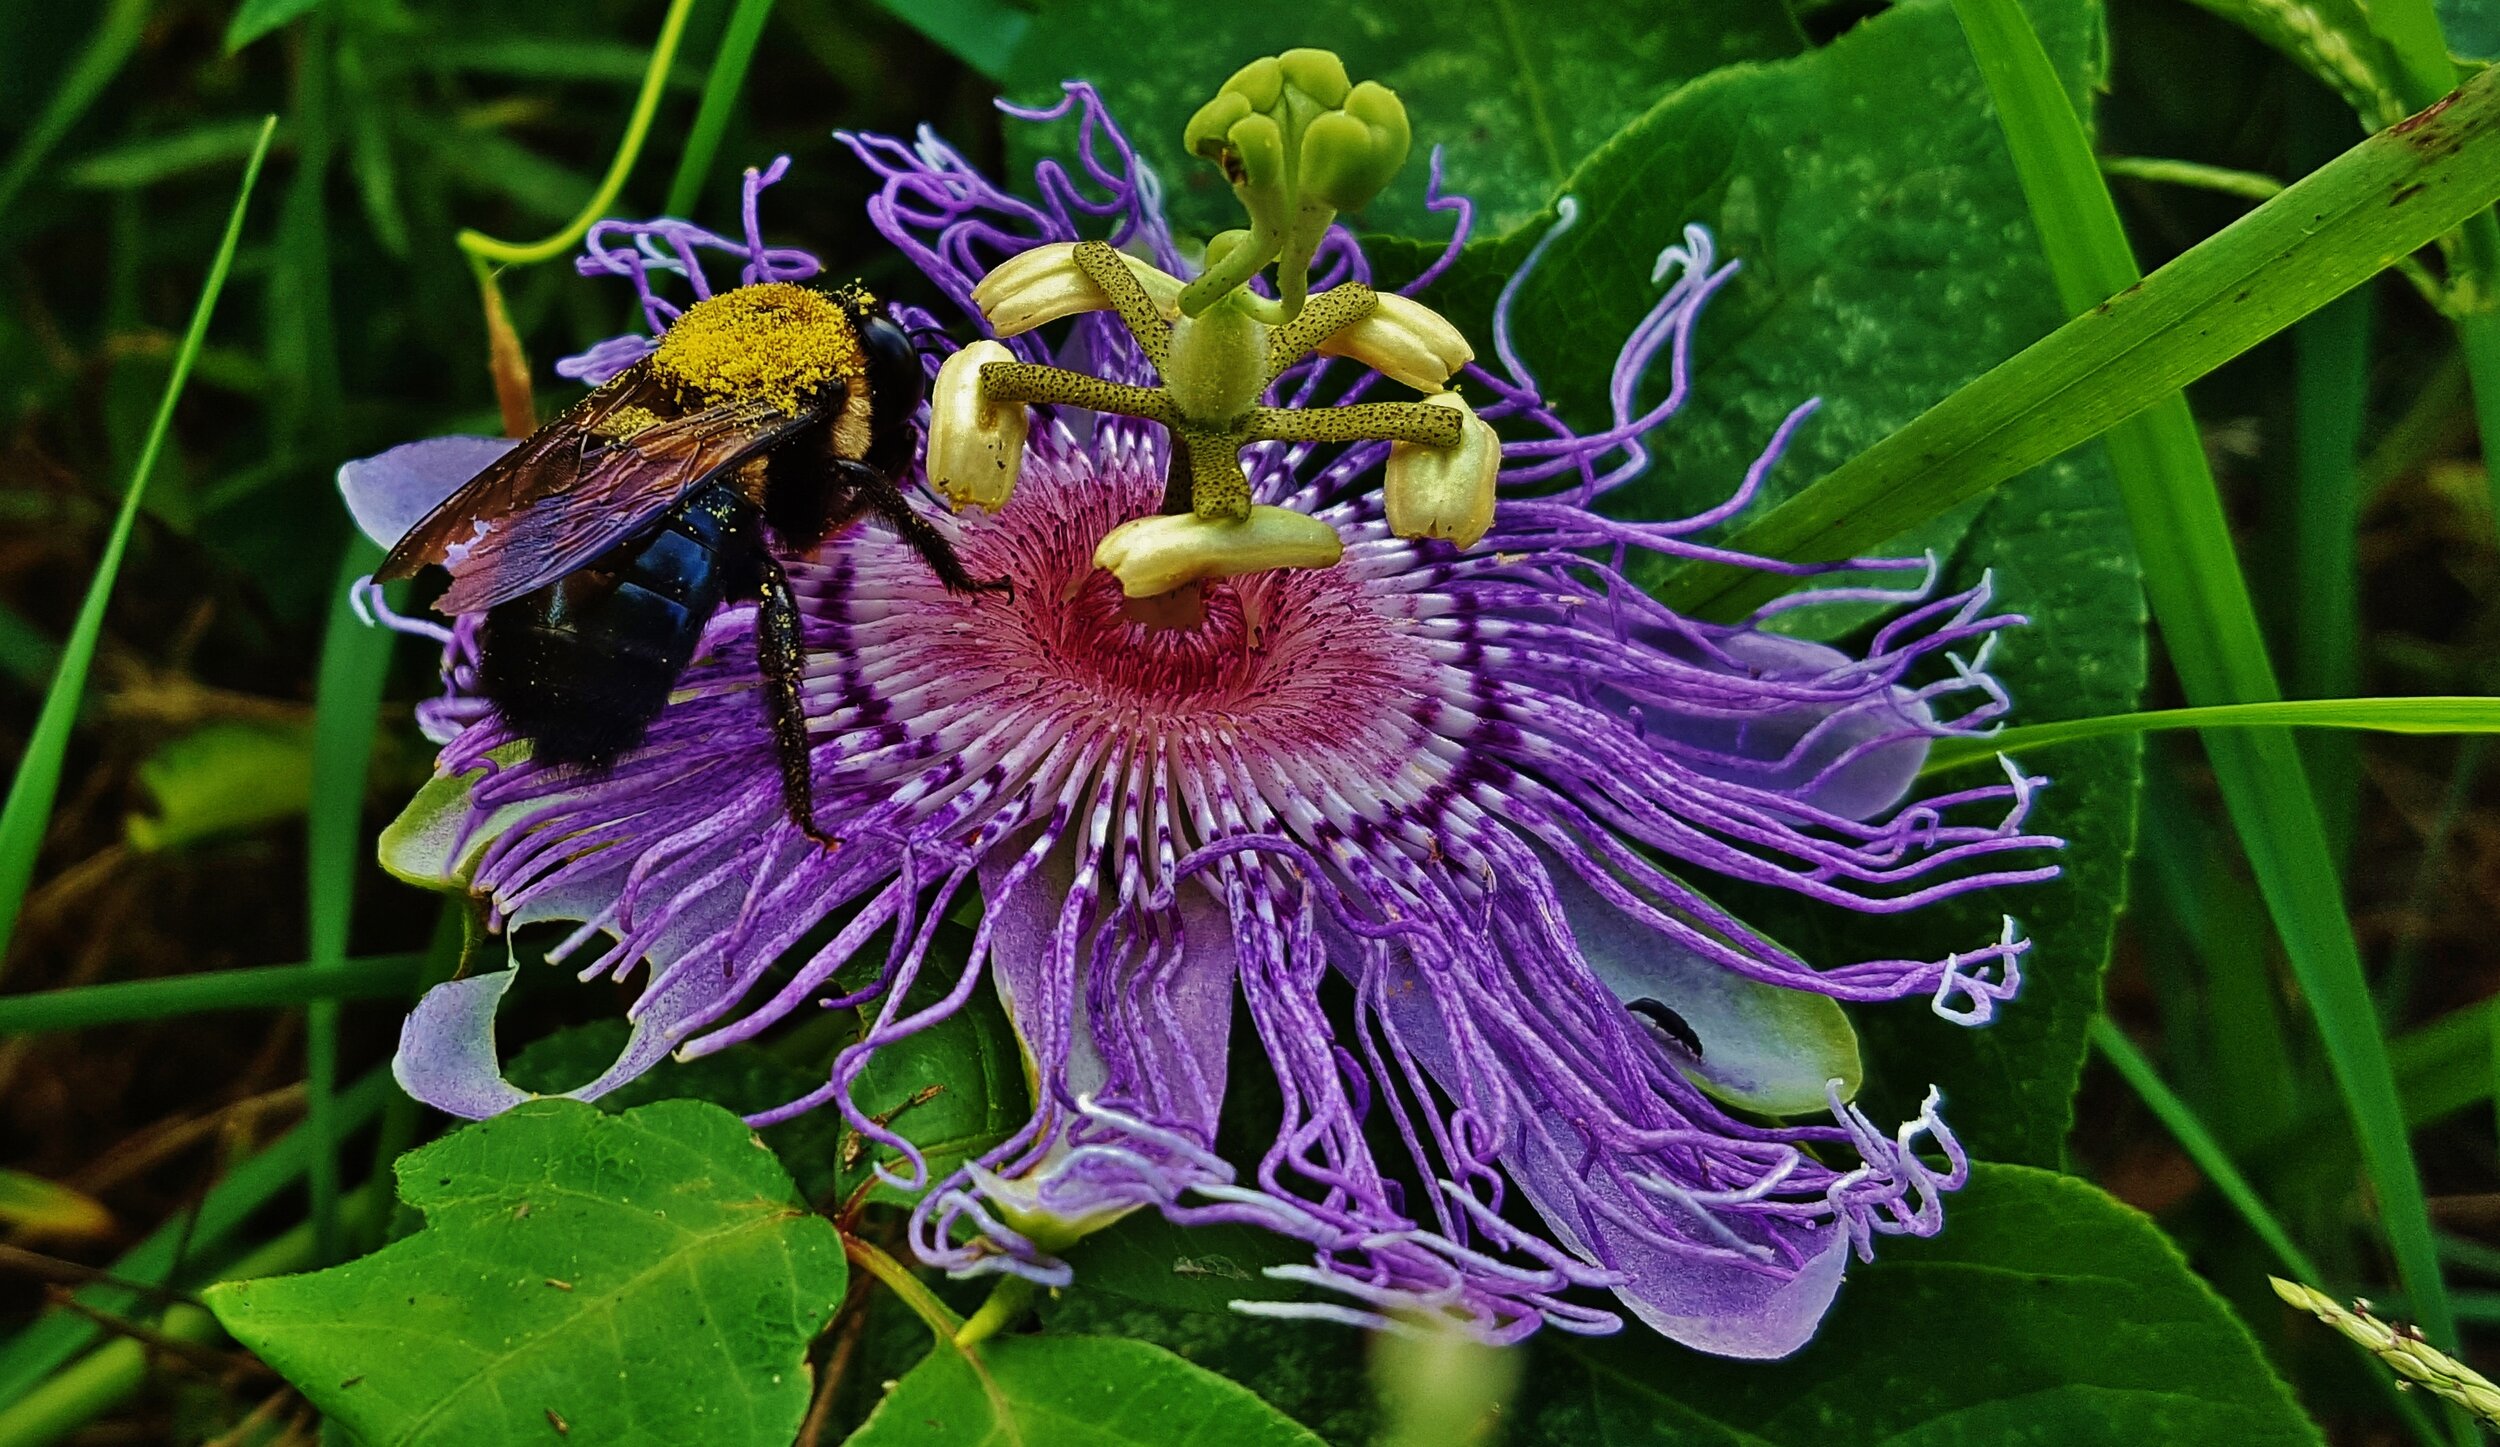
(1424, 820)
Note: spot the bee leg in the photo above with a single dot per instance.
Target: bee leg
(779, 653)
(888, 501)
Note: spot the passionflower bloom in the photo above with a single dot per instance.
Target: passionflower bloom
(1425, 825)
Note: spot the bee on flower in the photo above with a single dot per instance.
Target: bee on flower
(1318, 729)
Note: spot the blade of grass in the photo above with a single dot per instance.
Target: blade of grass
(348, 682)
(116, 36)
(2215, 1163)
(2181, 1121)
(2411, 29)
(2331, 385)
(720, 99)
(2383, 199)
(347, 702)
(38, 777)
(58, 1336)
(2439, 714)
(261, 987)
(2201, 603)
(114, 1372)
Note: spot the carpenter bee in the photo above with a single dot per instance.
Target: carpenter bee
(597, 549)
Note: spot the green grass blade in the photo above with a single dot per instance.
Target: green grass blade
(2211, 628)
(720, 99)
(2200, 602)
(261, 987)
(116, 37)
(2376, 203)
(2440, 714)
(2181, 1121)
(347, 701)
(38, 777)
(58, 1336)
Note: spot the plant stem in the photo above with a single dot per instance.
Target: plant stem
(646, 105)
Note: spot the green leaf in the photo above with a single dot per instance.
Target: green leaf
(256, 18)
(1882, 265)
(743, 1079)
(1072, 1391)
(2207, 619)
(984, 34)
(1146, 1258)
(2045, 1312)
(1519, 93)
(642, 1278)
(2338, 227)
(227, 778)
(2473, 28)
(954, 1090)
(2060, 553)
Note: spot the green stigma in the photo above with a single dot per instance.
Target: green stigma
(1299, 142)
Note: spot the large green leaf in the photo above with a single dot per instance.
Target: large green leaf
(2045, 1312)
(648, 1277)
(2057, 546)
(953, 1090)
(1072, 1391)
(1517, 93)
(1884, 265)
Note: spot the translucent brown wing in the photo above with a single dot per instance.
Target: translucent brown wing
(567, 494)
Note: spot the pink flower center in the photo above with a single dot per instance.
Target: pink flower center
(1290, 661)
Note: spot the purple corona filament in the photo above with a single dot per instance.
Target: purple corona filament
(1435, 821)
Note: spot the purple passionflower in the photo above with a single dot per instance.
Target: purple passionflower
(1428, 819)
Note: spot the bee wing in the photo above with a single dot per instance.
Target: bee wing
(568, 494)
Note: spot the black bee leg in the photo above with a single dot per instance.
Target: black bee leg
(926, 540)
(782, 657)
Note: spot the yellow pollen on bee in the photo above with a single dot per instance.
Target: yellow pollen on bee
(625, 423)
(775, 341)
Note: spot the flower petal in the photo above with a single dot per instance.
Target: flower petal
(1709, 1302)
(1762, 1047)
(447, 1058)
(390, 492)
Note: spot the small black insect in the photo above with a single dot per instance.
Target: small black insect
(767, 418)
(1668, 1023)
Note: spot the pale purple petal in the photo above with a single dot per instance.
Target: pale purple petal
(391, 492)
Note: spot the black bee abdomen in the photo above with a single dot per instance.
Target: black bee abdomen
(582, 666)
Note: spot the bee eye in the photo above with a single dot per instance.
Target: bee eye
(895, 386)
(894, 374)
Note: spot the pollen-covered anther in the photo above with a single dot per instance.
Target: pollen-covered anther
(1045, 284)
(1154, 555)
(1444, 492)
(1405, 341)
(976, 444)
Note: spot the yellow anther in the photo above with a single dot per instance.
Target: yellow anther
(1152, 555)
